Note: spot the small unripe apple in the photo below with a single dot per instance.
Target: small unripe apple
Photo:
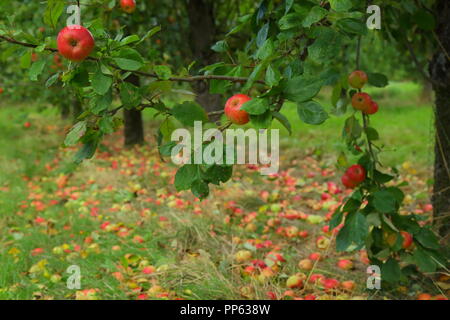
(306, 264)
(75, 43)
(361, 101)
(357, 79)
(345, 264)
(294, 281)
(233, 109)
(372, 109)
(356, 173)
(128, 6)
(407, 239)
(243, 256)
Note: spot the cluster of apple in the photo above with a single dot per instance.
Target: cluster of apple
(354, 176)
(76, 43)
(361, 100)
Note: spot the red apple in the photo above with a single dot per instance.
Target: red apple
(407, 239)
(1, 90)
(345, 264)
(27, 124)
(233, 109)
(372, 109)
(356, 173)
(310, 297)
(315, 256)
(128, 5)
(75, 43)
(330, 284)
(361, 101)
(316, 277)
(357, 79)
(347, 182)
(424, 296)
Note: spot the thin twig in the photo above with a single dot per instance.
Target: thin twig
(142, 73)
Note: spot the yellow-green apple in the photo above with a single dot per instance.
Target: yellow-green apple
(322, 242)
(294, 281)
(243, 256)
(233, 109)
(357, 79)
(75, 43)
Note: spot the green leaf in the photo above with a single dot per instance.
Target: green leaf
(301, 89)
(372, 134)
(273, 76)
(352, 26)
(218, 173)
(128, 59)
(262, 35)
(185, 177)
(166, 150)
(52, 80)
(256, 106)
(378, 80)
(283, 120)
(266, 50)
(36, 69)
(427, 238)
(200, 189)
(381, 177)
(106, 125)
(390, 271)
(290, 20)
(312, 112)
(87, 151)
(341, 5)
(100, 82)
(75, 134)
(188, 112)
(128, 40)
(425, 20)
(129, 95)
(384, 201)
(163, 72)
(101, 103)
(336, 219)
(261, 121)
(424, 262)
(220, 46)
(326, 46)
(315, 15)
(354, 233)
(53, 12)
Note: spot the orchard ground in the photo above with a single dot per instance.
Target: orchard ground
(119, 218)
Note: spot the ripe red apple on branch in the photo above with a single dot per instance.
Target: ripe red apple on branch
(75, 43)
(233, 109)
(128, 6)
(354, 176)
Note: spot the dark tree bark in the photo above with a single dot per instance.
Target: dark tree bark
(440, 74)
(202, 36)
(134, 126)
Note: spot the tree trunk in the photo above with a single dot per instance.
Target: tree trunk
(202, 36)
(440, 74)
(134, 127)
